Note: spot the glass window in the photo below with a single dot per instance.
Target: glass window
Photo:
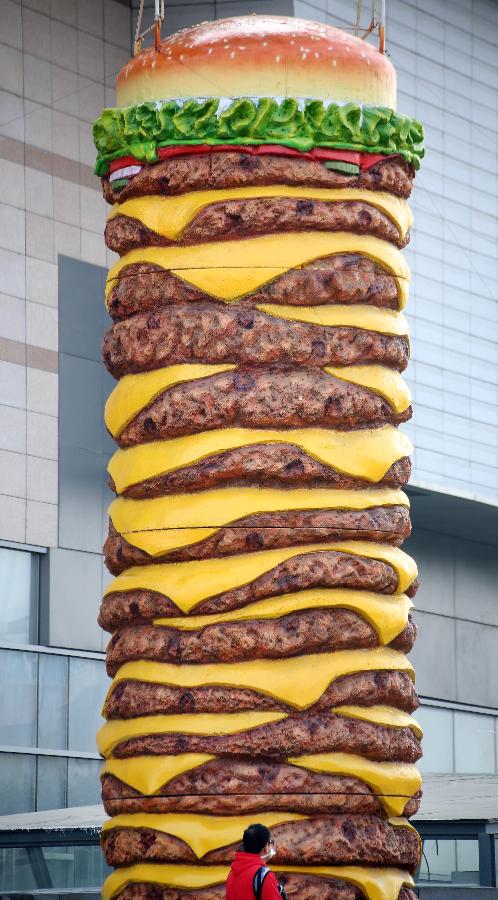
(446, 861)
(438, 739)
(88, 685)
(52, 702)
(90, 867)
(438, 861)
(18, 577)
(51, 777)
(17, 783)
(18, 698)
(16, 870)
(474, 743)
(467, 863)
(83, 782)
(58, 867)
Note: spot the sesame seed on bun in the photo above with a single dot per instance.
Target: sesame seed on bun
(260, 56)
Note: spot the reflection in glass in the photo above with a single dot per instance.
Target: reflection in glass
(467, 859)
(438, 739)
(16, 870)
(90, 867)
(474, 743)
(51, 779)
(18, 698)
(17, 783)
(52, 702)
(87, 689)
(16, 626)
(447, 861)
(83, 784)
(57, 868)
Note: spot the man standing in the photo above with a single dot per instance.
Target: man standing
(249, 877)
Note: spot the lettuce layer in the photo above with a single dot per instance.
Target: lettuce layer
(139, 130)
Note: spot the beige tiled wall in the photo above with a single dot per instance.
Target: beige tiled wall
(58, 61)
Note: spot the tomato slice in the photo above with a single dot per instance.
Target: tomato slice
(122, 162)
(364, 160)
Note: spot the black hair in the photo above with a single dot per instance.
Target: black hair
(255, 838)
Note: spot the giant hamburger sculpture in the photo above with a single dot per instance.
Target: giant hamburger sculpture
(260, 613)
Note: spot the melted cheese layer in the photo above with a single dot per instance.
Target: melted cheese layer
(381, 715)
(393, 783)
(149, 774)
(160, 524)
(388, 615)
(376, 883)
(255, 261)
(367, 454)
(169, 216)
(189, 583)
(386, 382)
(202, 833)
(298, 681)
(115, 731)
(369, 318)
(134, 392)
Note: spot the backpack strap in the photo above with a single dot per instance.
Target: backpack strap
(258, 880)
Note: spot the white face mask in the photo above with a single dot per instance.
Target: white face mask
(269, 855)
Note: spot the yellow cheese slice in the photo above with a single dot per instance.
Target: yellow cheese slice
(189, 583)
(228, 270)
(381, 715)
(393, 783)
(370, 318)
(367, 453)
(387, 614)
(200, 832)
(169, 216)
(166, 874)
(134, 392)
(376, 883)
(157, 543)
(384, 381)
(148, 774)
(150, 524)
(115, 731)
(298, 681)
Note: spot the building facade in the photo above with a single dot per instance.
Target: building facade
(58, 61)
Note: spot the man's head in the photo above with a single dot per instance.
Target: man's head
(256, 838)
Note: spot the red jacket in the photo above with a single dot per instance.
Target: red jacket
(241, 877)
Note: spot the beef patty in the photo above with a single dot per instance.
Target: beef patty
(225, 169)
(318, 630)
(130, 699)
(297, 887)
(268, 465)
(231, 786)
(267, 531)
(241, 218)
(343, 278)
(316, 730)
(320, 840)
(326, 568)
(271, 397)
(217, 333)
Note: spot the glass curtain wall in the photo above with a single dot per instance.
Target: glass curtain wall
(49, 704)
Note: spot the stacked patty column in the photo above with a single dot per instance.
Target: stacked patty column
(261, 609)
